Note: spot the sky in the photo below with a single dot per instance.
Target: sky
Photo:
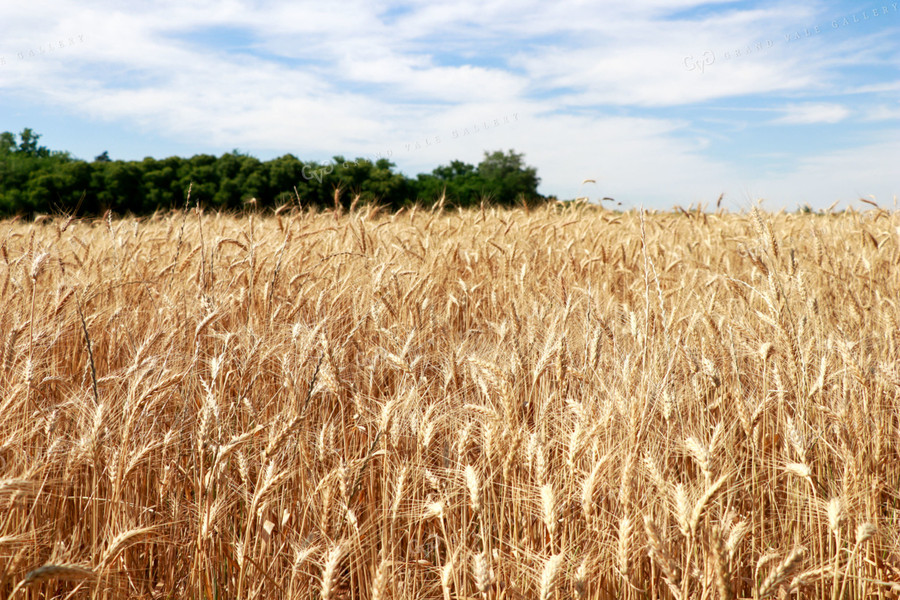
(655, 103)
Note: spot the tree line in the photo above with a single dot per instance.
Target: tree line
(34, 179)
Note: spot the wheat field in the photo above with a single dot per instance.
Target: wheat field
(554, 403)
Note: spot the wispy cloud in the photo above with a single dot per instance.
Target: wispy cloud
(599, 89)
(808, 114)
(843, 175)
(883, 113)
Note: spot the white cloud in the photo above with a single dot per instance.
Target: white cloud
(806, 114)
(636, 161)
(882, 113)
(587, 81)
(844, 175)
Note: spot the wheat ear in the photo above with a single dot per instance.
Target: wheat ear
(330, 571)
(779, 574)
(47, 572)
(548, 576)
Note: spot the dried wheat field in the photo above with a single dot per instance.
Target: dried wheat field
(556, 403)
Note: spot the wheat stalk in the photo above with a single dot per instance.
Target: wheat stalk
(781, 572)
(331, 570)
(65, 572)
(533, 397)
(482, 571)
(474, 486)
(379, 581)
(549, 576)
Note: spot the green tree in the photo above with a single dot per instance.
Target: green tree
(285, 174)
(240, 177)
(501, 178)
(7, 144)
(119, 186)
(508, 179)
(160, 182)
(29, 144)
(387, 187)
(32, 179)
(199, 172)
(35, 179)
(372, 182)
(458, 183)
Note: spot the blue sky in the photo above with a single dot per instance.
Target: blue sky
(663, 102)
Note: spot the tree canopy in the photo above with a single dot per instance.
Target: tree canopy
(34, 179)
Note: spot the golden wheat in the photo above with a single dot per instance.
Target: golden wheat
(445, 403)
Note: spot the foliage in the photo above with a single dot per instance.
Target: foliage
(510, 178)
(503, 179)
(34, 179)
